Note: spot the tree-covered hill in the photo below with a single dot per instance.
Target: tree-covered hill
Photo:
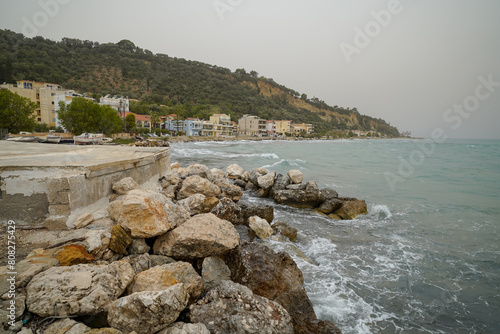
(188, 88)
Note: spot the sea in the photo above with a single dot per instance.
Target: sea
(426, 257)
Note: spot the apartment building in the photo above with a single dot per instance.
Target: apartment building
(283, 126)
(226, 127)
(302, 128)
(270, 128)
(120, 104)
(250, 125)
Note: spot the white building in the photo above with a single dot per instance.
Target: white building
(118, 103)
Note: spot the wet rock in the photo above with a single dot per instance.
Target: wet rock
(73, 254)
(299, 198)
(285, 230)
(263, 211)
(183, 328)
(329, 193)
(281, 182)
(77, 290)
(295, 176)
(330, 205)
(260, 226)
(300, 186)
(120, 240)
(230, 211)
(148, 311)
(146, 213)
(351, 208)
(246, 233)
(245, 176)
(162, 277)
(232, 308)
(240, 183)
(274, 276)
(200, 236)
(266, 181)
(229, 190)
(234, 172)
(125, 185)
(250, 186)
(197, 185)
(214, 271)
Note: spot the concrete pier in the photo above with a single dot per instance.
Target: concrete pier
(43, 183)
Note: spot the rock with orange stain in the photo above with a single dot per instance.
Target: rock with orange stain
(146, 214)
(120, 240)
(164, 276)
(73, 254)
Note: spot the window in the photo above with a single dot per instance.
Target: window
(53, 119)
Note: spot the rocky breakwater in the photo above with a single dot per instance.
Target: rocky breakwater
(183, 257)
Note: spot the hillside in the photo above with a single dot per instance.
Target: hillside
(189, 88)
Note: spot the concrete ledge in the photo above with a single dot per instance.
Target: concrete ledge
(42, 180)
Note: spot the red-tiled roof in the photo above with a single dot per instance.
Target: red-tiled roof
(142, 118)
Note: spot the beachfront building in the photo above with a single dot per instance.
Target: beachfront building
(141, 121)
(283, 126)
(270, 128)
(250, 125)
(302, 128)
(190, 126)
(226, 127)
(120, 104)
(42, 94)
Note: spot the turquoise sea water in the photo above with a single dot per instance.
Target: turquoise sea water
(426, 258)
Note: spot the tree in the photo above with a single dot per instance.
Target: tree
(83, 115)
(130, 122)
(16, 112)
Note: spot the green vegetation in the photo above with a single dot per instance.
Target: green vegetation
(168, 85)
(16, 112)
(123, 141)
(130, 122)
(83, 115)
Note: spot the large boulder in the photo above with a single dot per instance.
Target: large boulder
(125, 185)
(329, 193)
(77, 290)
(234, 171)
(217, 173)
(309, 198)
(164, 276)
(229, 190)
(232, 308)
(148, 311)
(295, 176)
(230, 211)
(330, 205)
(274, 276)
(263, 211)
(214, 271)
(141, 262)
(198, 203)
(199, 237)
(146, 214)
(196, 184)
(281, 182)
(197, 169)
(260, 226)
(285, 230)
(351, 208)
(266, 181)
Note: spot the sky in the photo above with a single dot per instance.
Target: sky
(421, 65)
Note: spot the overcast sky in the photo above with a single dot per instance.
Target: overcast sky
(407, 62)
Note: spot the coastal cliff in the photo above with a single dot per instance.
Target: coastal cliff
(181, 255)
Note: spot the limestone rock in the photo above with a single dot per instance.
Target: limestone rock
(125, 185)
(198, 203)
(310, 198)
(294, 186)
(234, 171)
(138, 246)
(263, 211)
(183, 328)
(83, 220)
(148, 311)
(266, 181)
(260, 227)
(329, 193)
(73, 254)
(195, 184)
(295, 176)
(285, 230)
(146, 213)
(230, 211)
(274, 276)
(232, 308)
(229, 190)
(351, 208)
(175, 165)
(253, 176)
(214, 271)
(20, 306)
(330, 205)
(120, 240)
(217, 173)
(77, 290)
(145, 261)
(245, 176)
(201, 236)
(164, 276)
(66, 326)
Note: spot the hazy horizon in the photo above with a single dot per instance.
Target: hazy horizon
(411, 63)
